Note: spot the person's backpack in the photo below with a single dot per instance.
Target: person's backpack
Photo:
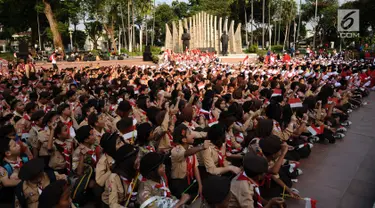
(80, 187)
(9, 168)
(19, 188)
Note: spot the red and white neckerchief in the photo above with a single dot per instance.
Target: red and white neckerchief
(67, 155)
(243, 177)
(26, 117)
(163, 186)
(276, 126)
(94, 154)
(16, 164)
(23, 98)
(171, 139)
(239, 135)
(46, 108)
(220, 156)
(190, 165)
(74, 105)
(150, 148)
(69, 125)
(228, 143)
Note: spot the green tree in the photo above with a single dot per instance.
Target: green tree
(94, 30)
(164, 14)
(289, 8)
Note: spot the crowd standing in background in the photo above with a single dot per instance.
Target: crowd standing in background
(190, 129)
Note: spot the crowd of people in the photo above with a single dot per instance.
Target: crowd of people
(189, 130)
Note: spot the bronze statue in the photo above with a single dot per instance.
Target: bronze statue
(224, 43)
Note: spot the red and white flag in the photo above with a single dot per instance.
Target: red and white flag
(245, 59)
(295, 102)
(315, 130)
(310, 203)
(276, 92)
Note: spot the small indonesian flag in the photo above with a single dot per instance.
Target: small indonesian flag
(204, 112)
(276, 92)
(245, 59)
(310, 203)
(132, 102)
(295, 102)
(315, 130)
(212, 121)
(201, 86)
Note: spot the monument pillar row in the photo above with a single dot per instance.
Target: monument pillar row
(191, 32)
(194, 39)
(199, 36)
(231, 37)
(238, 40)
(185, 24)
(168, 38)
(209, 30)
(220, 33)
(174, 37)
(204, 29)
(215, 38)
(180, 32)
(225, 25)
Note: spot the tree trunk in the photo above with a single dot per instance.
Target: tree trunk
(286, 34)
(140, 37)
(95, 44)
(129, 29)
(111, 35)
(57, 41)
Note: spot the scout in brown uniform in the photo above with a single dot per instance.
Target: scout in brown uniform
(9, 169)
(274, 151)
(68, 118)
(119, 190)
(50, 119)
(75, 105)
(154, 191)
(87, 153)
(123, 110)
(61, 147)
(23, 126)
(127, 129)
(56, 194)
(34, 180)
(184, 163)
(212, 160)
(110, 143)
(273, 111)
(37, 119)
(98, 124)
(187, 117)
(244, 187)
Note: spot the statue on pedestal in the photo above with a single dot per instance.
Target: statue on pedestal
(224, 43)
(185, 40)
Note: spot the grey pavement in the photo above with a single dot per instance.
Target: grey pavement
(342, 175)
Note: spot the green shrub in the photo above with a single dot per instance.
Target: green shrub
(277, 48)
(7, 56)
(261, 52)
(253, 49)
(155, 59)
(95, 52)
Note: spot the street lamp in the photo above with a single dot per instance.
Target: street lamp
(71, 36)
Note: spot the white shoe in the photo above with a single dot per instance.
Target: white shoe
(341, 129)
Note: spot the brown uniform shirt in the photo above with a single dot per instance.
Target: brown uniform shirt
(33, 136)
(89, 159)
(210, 159)
(43, 142)
(147, 190)
(58, 161)
(196, 134)
(115, 191)
(103, 169)
(32, 191)
(179, 162)
(242, 193)
(282, 134)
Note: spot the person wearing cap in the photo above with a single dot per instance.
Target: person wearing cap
(245, 186)
(120, 187)
(87, 153)
(60, 146)
(213, 159)
(110, 143)
(274, 151)
(34, 180)
(37, 120)
(56, 194)
(216, 191)
(153, 191)
(184, 162)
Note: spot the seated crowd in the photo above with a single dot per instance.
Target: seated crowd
(185, 132)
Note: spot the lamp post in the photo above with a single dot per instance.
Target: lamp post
(71, 36)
